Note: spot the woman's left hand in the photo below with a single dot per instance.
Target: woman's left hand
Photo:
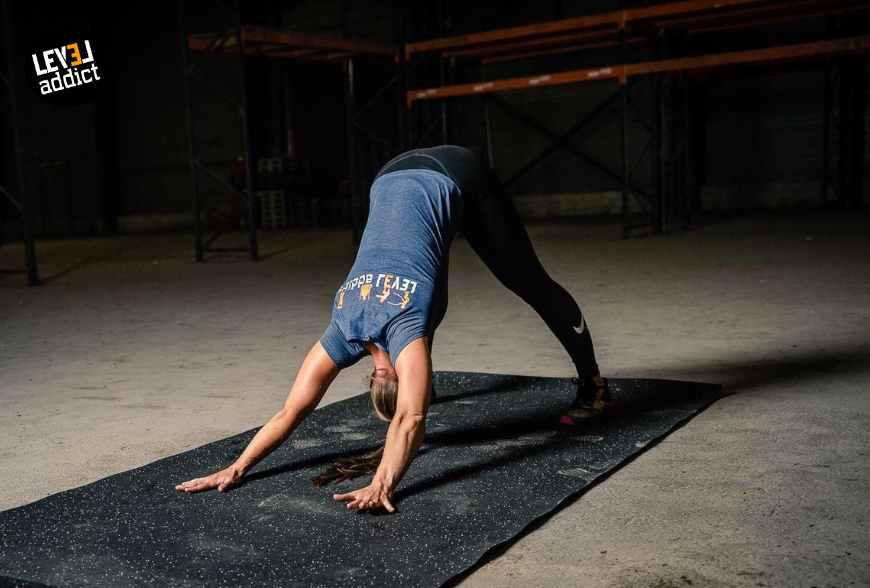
(372, 496)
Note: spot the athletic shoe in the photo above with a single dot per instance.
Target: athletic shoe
(590, 402)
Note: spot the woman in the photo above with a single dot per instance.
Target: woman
(393, 300)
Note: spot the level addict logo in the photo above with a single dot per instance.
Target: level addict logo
(395, 290)
(65, 67)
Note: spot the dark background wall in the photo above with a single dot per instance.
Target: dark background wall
(120, 151)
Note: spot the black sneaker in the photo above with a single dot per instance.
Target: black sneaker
(593, 396)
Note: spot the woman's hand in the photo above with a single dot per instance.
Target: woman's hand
(407, 427)
(313, 378)
(222, 480)
(372, 496)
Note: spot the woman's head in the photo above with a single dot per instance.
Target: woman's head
(383, 389)
(383, 383)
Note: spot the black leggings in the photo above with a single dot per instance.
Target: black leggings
(496, 233)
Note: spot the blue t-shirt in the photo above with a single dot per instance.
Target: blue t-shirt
(396, 290)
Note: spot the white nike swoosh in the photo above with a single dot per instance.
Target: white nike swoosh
(579, 330)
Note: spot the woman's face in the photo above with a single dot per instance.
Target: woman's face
(381, 360)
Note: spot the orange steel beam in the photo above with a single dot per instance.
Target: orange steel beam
(795, 9)
(625, 71)
(291, 53)
(771, 17)
(200, 43)
(770, 54)
(749, 17)
(268, 50)
(690, 7)
(334, 56)
(574, 38)
(557, 50)
(613, 21)
(310, 55)
(554, 79)
(695, 17)
(253, 35)
(270, 42)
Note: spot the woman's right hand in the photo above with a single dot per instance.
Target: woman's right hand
(223, 480)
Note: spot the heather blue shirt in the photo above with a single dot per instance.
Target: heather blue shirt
(396, 290)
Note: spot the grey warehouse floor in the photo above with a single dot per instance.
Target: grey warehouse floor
(131, 352)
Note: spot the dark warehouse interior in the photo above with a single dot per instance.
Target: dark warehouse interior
(683, 108)
(183, 185)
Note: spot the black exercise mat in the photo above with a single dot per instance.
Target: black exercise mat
(494, 463)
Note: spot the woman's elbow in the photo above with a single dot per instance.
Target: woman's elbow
(287, 414)
(409, 421)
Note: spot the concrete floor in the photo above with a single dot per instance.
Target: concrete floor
(131, 352)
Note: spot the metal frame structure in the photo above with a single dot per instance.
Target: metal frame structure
(22, 203)
(660, 27)
(241, 41)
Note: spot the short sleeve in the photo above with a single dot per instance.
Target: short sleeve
(343, 352)
(406, 328)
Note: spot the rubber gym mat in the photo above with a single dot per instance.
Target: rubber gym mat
(494, 463)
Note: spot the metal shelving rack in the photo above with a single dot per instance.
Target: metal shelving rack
(662, 28)
(241, 41)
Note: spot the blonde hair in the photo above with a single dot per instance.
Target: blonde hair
(383, 391)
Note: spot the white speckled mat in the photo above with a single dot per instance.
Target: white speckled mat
(494, 464)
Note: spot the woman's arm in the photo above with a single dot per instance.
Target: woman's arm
(312, 380)
(406, 430)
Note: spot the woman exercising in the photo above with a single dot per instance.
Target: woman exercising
(393, 300)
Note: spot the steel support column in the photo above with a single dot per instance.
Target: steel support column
(201, 245)
(23, 202)
(625, 145)
(402, 139)
(827, 109)
(445, 76)
(662, 152)
(850, 173)
(487, 131)
(246, 143)
(697, 129)
(445, 131)
(191, 137)
(353, 171)
(626, 173)
(667, 181)
(687, 154)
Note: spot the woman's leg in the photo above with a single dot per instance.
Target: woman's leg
(496, 233)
